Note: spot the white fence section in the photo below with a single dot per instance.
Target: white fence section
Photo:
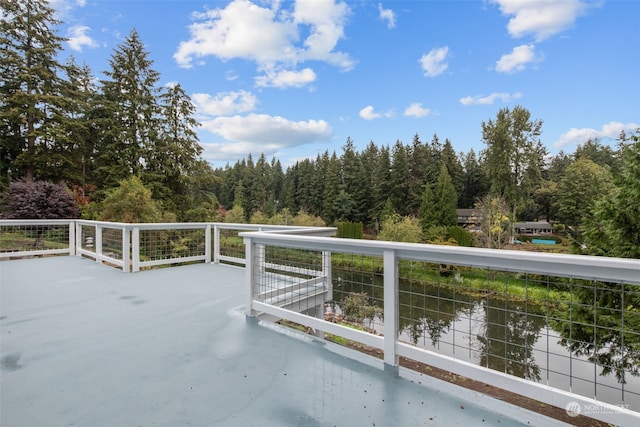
(392, 258)
(134, 247)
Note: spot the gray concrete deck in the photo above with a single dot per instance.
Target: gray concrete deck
(84, 344)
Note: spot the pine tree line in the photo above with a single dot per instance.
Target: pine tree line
(59, 123)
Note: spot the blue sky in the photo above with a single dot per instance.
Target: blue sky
(292, 79)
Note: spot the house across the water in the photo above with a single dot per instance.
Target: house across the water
(534, 228)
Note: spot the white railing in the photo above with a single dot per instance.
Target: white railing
(134, 247)
(386, 262)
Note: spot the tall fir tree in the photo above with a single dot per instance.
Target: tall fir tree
(445, 198)
(76, 128)
(176, 150)
(131, 100)
(32, 100)
(454, 166)
(381, 185)
(614, 229)
(399, 179)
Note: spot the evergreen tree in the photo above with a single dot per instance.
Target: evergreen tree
(475, 185)
(331, 190)
(76, 128)
(418, 159)
(131, 100)
(600, 154)
(558, 165)
(365, 197)
(32, 101)
(318, 183)
(445, 199)
(381, 185)
(400, 179)
(176, 150)
(428, 215)
(454, 167)
(584, 183)
(614, 229)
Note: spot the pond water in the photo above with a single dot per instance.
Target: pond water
(517, 338)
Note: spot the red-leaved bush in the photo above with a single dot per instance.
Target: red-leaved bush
(39, 200)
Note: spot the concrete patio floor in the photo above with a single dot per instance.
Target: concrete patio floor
(84, 344)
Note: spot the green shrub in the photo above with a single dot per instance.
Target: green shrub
(350, 230)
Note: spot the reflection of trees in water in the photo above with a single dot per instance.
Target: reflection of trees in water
(508, 339)
(427, 310)
(602, 323)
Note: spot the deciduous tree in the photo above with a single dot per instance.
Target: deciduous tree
(513, 156)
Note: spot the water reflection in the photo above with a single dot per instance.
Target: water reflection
(599, 327)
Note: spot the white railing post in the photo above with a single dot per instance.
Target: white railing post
(216, 244)
(98, 243)
(78, 237)
(126, 250)
(135, 249)
(327, 274)
(390, 307)
(207, 244)
(250, 277)
(72, 238)
(260, 250)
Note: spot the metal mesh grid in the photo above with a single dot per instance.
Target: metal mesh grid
(24, 238)
(358, 289)
(291, 279)
(171, 244)
(231, 244)
(112, 242)
(574, 335)
(88, 237)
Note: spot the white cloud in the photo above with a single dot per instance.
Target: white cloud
(417, 110)
(368, 113)
(270, 37)
(78, 38)
(518, 59)
(490, 99)
(285, 78)
(541, 18)
(435, 63)
(610, 130)
(326, 20)
(261, 133)
(387, 15)
(224, 103)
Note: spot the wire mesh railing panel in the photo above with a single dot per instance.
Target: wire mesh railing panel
(291, 279)
(33, 237)
(231, 245)
(576, 335)
(358, 290)
(87, 237)
(171, 243)
(112, 243)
